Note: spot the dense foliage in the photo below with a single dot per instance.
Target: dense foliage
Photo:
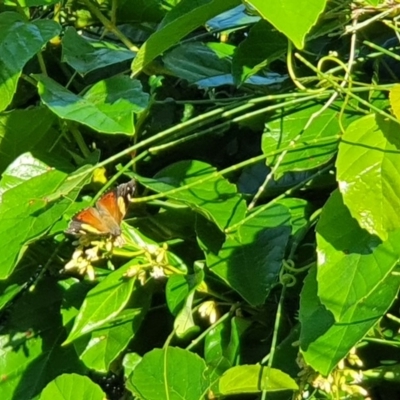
(258, 256)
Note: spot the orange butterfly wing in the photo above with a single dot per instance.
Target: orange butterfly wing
(108, 214)
(88, 220)
(108, 204)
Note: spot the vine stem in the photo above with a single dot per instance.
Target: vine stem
(283, 195)
(199, 338)
(270, 356)
(225, 125)
(349, 92)
(236, 167)
(110, 26)
(198, 121)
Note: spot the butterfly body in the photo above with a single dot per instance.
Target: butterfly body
(106, 216)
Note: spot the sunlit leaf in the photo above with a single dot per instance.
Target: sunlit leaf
(27, 212)
(19, 42)
(293, 18)
(254, 379)
(72, 387)
(170, 373)
(368, 172)
(108, 342)
(104, 302)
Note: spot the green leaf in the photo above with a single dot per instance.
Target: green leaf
(132, 11)
(254, 379)
(27, 213)
(181, 20)
(176, 291)
(197, 61)
(262, 46)
(85, 55)
(222, 344)
(184, 324)
(233, 19)
(104, 302)
(288, 127)
(107, 343)
(72, 387)
(21, 131)
(354, 284)
(136, 240)
(31, 352)
(35, 3)
(171, 374)
(300, 211)
(23, 168)
(294, 18)
(19, 42)
(130, 362)
(108, 107)
(250, 259)
(368, 172)
(9, 290)
(216, 198)
(353, 265)
(74, 292)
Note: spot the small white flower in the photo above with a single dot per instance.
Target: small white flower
(157, 273)
(208, 309)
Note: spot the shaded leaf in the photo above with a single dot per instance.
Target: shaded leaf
(181, 20)
(300, 211)
(235, 18)
(21, 130)
(222, 344)
(197, 61)
(280, 133)
(216, 198)
(84, 55)
(262, 46)
(176, 291)
(351, 290)
(31, 352)
(354, 266)
(132, 11)
(250, 259)
(108, 106)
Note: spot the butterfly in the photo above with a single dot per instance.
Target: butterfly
(106, 216)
